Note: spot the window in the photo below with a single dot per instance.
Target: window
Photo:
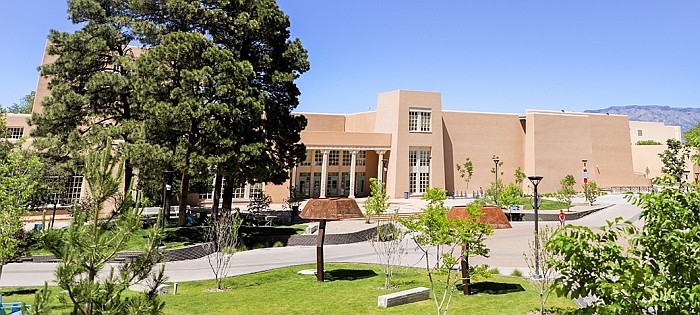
(359, 183)
(419, 120)
(256, 190)
(361, 158)
(639, 132)
(73, 189)
(333, 158)
(15, 132)
(347, 158)
(317, 185)
(318, 157)
(307, 159)
(305, 183)
(419, 169)
(332, 184)
(239, 192)
(345, 184)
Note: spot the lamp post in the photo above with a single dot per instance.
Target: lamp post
(495, 161)
(685, 173)
(535, 181)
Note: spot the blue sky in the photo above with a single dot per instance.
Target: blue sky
(496, 56)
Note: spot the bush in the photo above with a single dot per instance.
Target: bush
(494, 271)
(516, 273)
(647, 142)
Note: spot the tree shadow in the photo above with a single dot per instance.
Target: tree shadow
(11, 292)
(488, 287)
(188, 235)
(349, 274)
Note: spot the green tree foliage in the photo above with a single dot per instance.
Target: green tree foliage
(674, 158)
(466, 170)
(432, 228)
(653, 270)
(378, 201)
(19, 179)
(566, 190)
(24, 106)
(519, 176)
(214, 86)
(648, 142)
(94, 238)
(92, 93)
(509, 195)
(591, 192)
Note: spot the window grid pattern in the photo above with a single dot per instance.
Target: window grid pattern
(333, 158)
(318, 157)
(345, 187)
(419, 120)
(307, 159)
(239, 192)
(361, 158)
(15, 133)
(419, 169)
(256, 190)
(347, 158)
(73, 189)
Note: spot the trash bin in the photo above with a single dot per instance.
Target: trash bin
(405, 195)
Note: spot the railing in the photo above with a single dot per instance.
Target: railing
(633, 189)
(464, 195)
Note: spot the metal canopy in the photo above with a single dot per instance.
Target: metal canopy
(331, 209)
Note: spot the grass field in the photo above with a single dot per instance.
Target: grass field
(348, 289)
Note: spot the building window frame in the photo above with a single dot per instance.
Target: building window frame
(419, 120)
(15, 133)
(333, 157)
(418, 169)
(347, 158)
(361, 158)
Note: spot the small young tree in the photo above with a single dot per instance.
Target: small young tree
(674, 158)
(466, 170)
(222, 236)
(471, 234)
(432, 228)
(540, 261)
(591, 192)
(519, 176)
(93, 240)
(378, 201)
(493, 192)
(566, 192)
(390, 246)
(19, 173)
(510, 195)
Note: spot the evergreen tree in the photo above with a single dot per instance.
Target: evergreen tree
(92, 94)
(93, 240)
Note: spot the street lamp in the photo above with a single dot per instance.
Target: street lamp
(496, 186)
(535, 181)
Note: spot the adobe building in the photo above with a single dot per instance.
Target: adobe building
(411, 143)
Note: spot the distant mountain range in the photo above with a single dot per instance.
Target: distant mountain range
(687, 118)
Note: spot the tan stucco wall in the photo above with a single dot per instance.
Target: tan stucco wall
(324, 122)
(480, 136)
(360, 122)
(647, 156)
(656, 131)
(557, 142)
(392, 117)
(357, 139)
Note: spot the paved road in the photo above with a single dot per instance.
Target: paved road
(507, 247)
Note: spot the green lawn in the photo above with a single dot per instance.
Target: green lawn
(545, 204)
(349, 289)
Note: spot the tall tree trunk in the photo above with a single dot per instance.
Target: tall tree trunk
(228, 194)
(184, 187)
(217, 193)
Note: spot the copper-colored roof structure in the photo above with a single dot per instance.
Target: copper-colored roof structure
(493, 216)
(331, 209)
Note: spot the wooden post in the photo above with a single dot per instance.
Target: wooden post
(319, 250)
(465, 275)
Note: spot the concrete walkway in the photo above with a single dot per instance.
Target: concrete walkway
(507, 247)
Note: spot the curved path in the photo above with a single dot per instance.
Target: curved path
(507, 247)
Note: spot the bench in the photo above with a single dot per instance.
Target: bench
(404, 297)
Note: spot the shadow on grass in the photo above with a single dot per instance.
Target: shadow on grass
(489, 287)
(188, 235)
(11, 292)
(349, 274)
